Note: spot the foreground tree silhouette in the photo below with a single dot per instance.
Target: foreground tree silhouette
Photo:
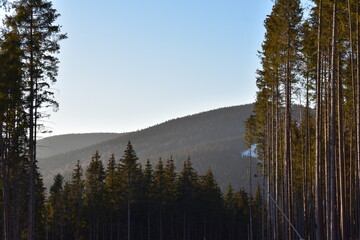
(34, 21)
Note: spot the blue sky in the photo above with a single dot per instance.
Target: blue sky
(128, 65)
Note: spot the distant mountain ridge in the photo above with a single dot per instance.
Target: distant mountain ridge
(55, 145)
(212, 139)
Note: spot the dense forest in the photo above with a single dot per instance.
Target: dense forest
(311, 165)
(126, 200)
(308, 166)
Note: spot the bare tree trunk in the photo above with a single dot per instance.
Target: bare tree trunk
(274, 156)
(268, 173)
(357, 165)
(326, 114)
(277, 167)
(305, 161)
(287, 155)
(349, 211)
(318, 184)
(333, 215)
(341, 159)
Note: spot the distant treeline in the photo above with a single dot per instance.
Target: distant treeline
(126, 200)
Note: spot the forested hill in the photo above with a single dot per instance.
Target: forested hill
(212, 139)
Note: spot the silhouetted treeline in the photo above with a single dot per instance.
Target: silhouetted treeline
(125, 200)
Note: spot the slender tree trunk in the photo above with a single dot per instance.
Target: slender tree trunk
(250, 200)
(341, 159)
(318, 183)
(263, 209)
(349, 209)
(357, 165)
(277, 162)
(326, 122)
(5, 182)
(31, 209)
(333, 215)
(306, 159)
(268, 173)
(288, 191)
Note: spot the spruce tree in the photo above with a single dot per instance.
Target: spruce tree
(149, 194)
(77, 186)
(55, 209)
(130, 170)
(94, 196)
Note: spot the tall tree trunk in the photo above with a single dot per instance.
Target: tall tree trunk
(333, 215)
(306, 160)
(5, 183)
(250, 200)
(277, 162)
(357, 165)
(288, 191)
(268, 173)
(341, 158)
(318, 177)
(31, 208)
(349, 209)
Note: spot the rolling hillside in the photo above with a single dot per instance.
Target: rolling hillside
(212, 139)
(51, 146)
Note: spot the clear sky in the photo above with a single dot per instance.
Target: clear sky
(130, 64)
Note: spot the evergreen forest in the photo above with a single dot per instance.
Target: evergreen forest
(127, 200)
(304, 169)
(310, 56)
